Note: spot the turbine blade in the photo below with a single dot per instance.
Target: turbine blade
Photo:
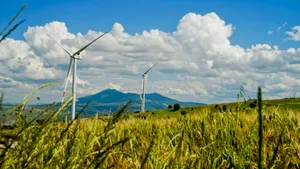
(141, 97)
(150, 68)
(67, 79)
(70, 65)
(144, 84)
(141, 91)
(80, 50)
(60, 45)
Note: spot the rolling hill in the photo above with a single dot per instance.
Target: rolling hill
(111, 99)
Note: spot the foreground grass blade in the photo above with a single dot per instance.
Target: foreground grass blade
(11, 30)
(154, 132)
(11, 21)
(260, 129)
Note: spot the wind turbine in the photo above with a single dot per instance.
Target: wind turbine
(73, 62)
(142, 96)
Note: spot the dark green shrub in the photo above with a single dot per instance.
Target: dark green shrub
(216, 108)
(224, 108)
(170, 106)
(183, 112)
(252, 105)
(176, 107)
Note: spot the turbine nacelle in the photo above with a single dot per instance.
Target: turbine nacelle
(78, 57)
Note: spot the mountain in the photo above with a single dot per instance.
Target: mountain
(111, 99)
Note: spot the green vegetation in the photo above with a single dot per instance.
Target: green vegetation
(279, 105)
(176, 107)
(201, 138)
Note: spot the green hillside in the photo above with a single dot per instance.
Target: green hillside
(279, 104)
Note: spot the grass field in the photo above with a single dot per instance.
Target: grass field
(279, 104)
(202, 138)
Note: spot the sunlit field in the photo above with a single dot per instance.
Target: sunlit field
(203, 139)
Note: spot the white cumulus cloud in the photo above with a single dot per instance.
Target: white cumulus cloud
(294, 34)
(197, 62)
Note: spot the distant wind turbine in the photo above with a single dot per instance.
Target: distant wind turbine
(73, 62)
(142, 96)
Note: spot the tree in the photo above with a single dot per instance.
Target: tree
(176, 107)
(224, 107)
(170, 106)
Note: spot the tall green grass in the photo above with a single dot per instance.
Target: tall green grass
(260, 129)
(200, 140)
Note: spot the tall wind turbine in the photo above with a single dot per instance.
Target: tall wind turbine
(73, 62)
(144, 77)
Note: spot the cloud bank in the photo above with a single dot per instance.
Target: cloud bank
(196, 62)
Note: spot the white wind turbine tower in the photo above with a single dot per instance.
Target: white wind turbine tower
(73, 62)
(144, 77)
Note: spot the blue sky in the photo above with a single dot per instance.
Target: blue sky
(252, 19)
(202, 59)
